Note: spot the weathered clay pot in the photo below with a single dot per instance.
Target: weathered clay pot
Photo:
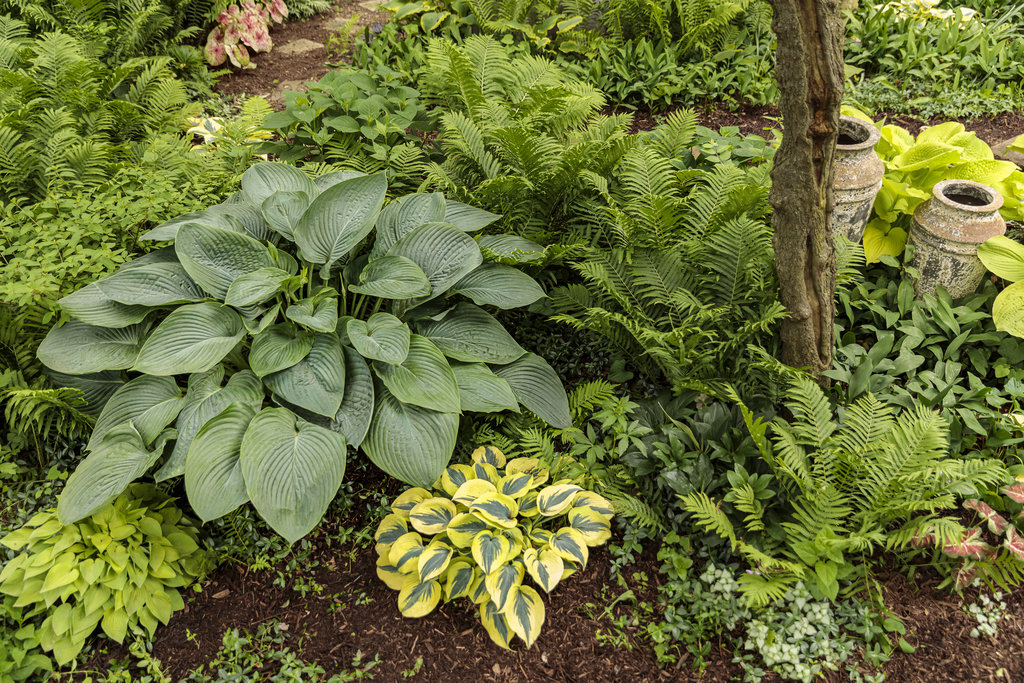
(858, 177)
(946, 231)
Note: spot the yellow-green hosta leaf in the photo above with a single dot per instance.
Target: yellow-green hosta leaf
(463, 529)
(486, 472)
(528, 505)
(895, 141)
(408, 500)
(459, 579)
(434, 559)
(431, 516)
(489, 455)
(943, 132)
(391, 528)
(1004, 257)
(491, 550)
(570, 569)
(515, 485)
(987, 172)
(389, 574)
(497, 509)
(556, 499)
(455, 476)
(504, 582)
(405, 552)
(570, 545)
(926, 155)
(882, 239)
(591, 524)
(1008, 310)
(522, 465)
(468, 493)
(496, 625)
(545, 567)
(417, 599)
(525, 614)
(599, 504)
(972, 148)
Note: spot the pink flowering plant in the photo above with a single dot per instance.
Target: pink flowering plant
(240, 26)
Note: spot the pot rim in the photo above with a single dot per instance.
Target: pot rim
(873, 134)
(939, 193)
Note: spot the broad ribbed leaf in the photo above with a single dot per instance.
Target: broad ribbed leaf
(192, 338)
(320, 314)
(404, 214)
(467, 218)
(317, 382)
(424, 378)
(250, 217)
(383, 337)
(493, 284)
(1004, 257)
(340, 218)
(1008, 310)
(392, 277)
(538, 388)
(96, 388)
(255, 287)
(442, 252)
(150, 402)
(91, 306)
(213, 472)
(263, 179)
(356, 411)
(280, 347)
(470, 334)
(214, 257)
(481, 391)
(283, 209)
(292, 470)
(410, 443)
(151, 284)
(328, 180)
(168, 230)
(511, 248)
(78, 349)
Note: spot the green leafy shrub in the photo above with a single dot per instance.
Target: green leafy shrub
(281, 291)
(488, 524)
(119, 570)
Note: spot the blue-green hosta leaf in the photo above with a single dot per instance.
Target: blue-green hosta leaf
(431, 516)
(340, 218)
(404, 214)
(408, 499)
(383, 337)
(459, 578)
(292, 470)
(392, 277)
(405, 552)
(214, 257)
(263, 179)
(488, 455)
(503, 583)
(464, 527)
(467, 218)
(317, 382)
(168, 230)
(119, 459)
(410, 443)
(472, 490)
(205, 399)
(455, 476)
(497, 509)
(328, 180)
(320, 314)
(151, 284)
(493, 284)
(545, 567)
(510, 248)
(283, 209)
(257, 326)
(192, 338)
(91, 306)
(442, 252)
(389, 574)
(391, 528)
(434, 559)
(468, 333)
(418, 599)
(557, 498)
(538, 388)
(591, 524)
(570, 545)
(256, 287)
(79, 349)
(1008, 310)
(356, 409)
(150, 402)
(480, 390)
(249, 216)
(491, 550)
(96, 388)
(496, 625)
(423, 379)
(213, 471)
(1004, 257)
(525, 614)
(280, 347)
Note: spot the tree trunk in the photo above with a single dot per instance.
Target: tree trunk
(809, 71)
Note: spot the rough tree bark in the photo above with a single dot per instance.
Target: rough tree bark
(809, 71)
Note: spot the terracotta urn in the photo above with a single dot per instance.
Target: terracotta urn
(946, 231)
(858, 177)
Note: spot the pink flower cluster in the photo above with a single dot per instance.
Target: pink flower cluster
(241, 26)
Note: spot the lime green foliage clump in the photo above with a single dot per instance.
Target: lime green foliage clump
(479, 536)
(119, 570)
(1005, 258)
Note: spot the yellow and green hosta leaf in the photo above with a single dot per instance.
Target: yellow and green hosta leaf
(524, 466)
(490, 455)
(570, 569)
(473, 489)
(417, 599)
(496, 625)
(503, 583)
(570, 545)
(599, 504)
(515, 485)
(405, 552)
(491, 550)
(464, 527)
(455, 476)
(434, 559)
(556, 499)
(391, 528)
(389, 574)
(539, 536)
(459, 579)
(478, 589)
(591, 524)
(487, 472)
(431, 516)
(545, 567)
(525, 614)
(408, 500)
(882, 239)
(528, 505)
(497, 509)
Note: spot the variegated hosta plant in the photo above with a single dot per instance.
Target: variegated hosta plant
(485, 528)
(285, 325)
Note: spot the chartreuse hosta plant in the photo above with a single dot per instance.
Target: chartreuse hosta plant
(484, 529)
(119, 570)
(1005, 258)
(284, 326)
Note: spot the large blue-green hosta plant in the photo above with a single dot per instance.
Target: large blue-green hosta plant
(282, 327)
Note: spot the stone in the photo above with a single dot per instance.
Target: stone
(299, 47)
(1001, 152)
